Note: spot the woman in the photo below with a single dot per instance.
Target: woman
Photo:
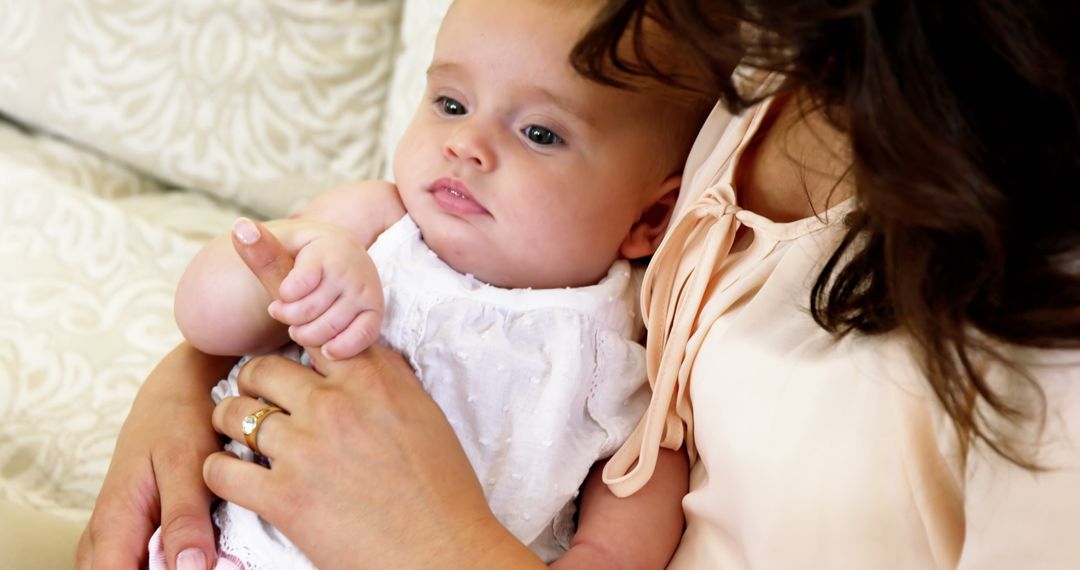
(863, 328)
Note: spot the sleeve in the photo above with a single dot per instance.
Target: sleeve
(620, 392)
(1020, 518)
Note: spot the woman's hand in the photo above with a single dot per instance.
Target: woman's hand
(366, 470)
(155, 476)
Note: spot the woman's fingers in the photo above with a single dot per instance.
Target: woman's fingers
(118, 530)
(271, 434)
(246, 484)
(186, 530)
(376, 364)
(366, 424)
(275, 379)
(356, 423)
(262, 253)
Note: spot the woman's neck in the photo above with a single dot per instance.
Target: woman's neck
(797, 165)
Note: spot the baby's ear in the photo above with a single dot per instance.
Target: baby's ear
(646, 233)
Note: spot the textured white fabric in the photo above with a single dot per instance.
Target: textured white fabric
(537, 384)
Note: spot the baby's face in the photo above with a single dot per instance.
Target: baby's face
(516, 169)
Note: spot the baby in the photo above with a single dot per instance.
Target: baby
(497, 264)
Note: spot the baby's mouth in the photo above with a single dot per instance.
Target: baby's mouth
(453, 196)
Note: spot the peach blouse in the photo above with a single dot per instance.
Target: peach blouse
(809, 451)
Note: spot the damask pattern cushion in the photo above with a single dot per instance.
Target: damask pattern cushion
(192, 215)
(89, 257)
(78, 167)
(261, 102)
(87, 313)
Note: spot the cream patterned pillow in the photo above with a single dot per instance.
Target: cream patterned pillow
(261, 102)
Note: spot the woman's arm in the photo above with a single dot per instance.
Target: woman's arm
(155, 476)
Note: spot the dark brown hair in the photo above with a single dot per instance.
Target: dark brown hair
(963, 119)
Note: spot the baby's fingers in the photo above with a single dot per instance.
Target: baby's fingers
(328, 325)
(308, 308)
(358, 336)
(305, 277)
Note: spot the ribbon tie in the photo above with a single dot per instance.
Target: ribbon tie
(674, 289)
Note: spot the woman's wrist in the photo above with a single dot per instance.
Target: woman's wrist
(186, 371)
(487, 544)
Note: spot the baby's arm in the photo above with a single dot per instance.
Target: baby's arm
(222, 309)
(639, 531)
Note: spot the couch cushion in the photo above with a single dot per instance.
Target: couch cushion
(262, 102)
(192, 215)
(89, 259)
(87, 314)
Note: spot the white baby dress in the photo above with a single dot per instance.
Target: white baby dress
(537, 384)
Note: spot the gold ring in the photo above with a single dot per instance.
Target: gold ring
(250, 426)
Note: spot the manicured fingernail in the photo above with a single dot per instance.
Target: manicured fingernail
(245, 231)
(326, 353)
(191, 559)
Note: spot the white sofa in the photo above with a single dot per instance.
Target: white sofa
(131, 131)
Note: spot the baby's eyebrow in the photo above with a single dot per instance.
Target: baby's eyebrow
(538, 92)
(444, 68)
(567, 104)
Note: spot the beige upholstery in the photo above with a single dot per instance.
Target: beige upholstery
(261, 102)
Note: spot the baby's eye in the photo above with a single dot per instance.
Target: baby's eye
(541, 135)
(450, 106)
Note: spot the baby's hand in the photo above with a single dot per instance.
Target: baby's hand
(332, 297)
